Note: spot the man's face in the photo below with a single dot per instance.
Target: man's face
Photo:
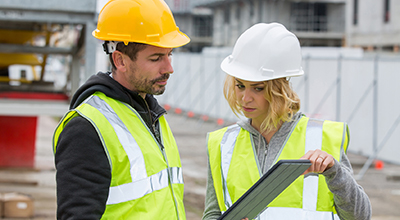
(149, 73)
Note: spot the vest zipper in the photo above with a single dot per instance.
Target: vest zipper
(157, 136)
(265, 157)
(153, 126)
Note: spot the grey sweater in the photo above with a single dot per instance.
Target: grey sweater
(350, 199)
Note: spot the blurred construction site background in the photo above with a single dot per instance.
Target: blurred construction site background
(351, 60)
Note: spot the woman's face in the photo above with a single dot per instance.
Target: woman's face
(250, 97)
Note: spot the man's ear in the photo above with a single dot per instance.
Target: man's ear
(119, 61)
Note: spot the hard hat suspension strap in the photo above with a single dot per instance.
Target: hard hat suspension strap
(110, 46)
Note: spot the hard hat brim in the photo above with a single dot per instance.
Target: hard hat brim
(243, 72)
(171, 40)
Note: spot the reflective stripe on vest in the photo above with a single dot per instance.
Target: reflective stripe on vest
(140, 188)
(136, 171)
(312, 138)
(141, 184)
(310, 184)
(227, 146)
(131, 147)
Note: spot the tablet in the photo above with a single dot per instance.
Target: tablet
(266, 189)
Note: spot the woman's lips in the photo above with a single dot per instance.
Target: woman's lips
(248, 109)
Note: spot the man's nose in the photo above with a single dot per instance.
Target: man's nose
(167, 67)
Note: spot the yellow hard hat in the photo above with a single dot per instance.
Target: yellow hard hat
(142, 21)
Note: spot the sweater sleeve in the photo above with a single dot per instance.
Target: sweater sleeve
(83, 172)
(351, 202)
(211, 210)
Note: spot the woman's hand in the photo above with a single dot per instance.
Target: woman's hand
(320, 161)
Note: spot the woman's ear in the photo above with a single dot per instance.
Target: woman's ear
(119, 61)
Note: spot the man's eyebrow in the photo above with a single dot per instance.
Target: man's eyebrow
(160, 54)
(157, 54)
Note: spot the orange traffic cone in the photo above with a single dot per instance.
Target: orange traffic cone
(178, 111)
(190, 114)
(379, 164)
(167, 107)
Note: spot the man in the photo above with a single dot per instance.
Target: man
(115, 154)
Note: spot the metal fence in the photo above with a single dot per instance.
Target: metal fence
(361, 90)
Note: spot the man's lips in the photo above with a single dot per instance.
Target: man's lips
(163, 82)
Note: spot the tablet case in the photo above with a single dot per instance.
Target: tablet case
(266, 189)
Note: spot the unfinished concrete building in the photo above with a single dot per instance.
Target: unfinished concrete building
(350, 23)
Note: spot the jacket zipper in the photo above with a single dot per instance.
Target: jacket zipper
(153, 126)
(158, 138)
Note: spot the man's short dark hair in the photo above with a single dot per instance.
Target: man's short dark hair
(130, 50)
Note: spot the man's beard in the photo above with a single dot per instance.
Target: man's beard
(148, 86)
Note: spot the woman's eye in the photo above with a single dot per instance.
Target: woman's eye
(259, 89)
(240, 86)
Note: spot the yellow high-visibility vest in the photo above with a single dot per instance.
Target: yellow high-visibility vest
(146, 178)
(234, 168)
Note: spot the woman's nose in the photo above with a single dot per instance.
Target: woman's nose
(246, 96)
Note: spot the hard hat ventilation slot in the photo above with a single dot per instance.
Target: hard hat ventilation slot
(153, 37)
(267, 72)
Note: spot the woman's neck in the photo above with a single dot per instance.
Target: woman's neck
(266, 134)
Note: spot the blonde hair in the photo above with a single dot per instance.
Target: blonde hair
(283, 101)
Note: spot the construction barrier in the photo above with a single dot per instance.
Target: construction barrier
(339, 84)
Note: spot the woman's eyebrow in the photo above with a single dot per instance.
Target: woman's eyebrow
(253, 84)
(257, 84)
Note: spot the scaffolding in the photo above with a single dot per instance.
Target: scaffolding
(31, 33)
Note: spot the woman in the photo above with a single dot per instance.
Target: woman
(257, 86)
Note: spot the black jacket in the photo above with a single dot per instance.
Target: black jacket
(83, 172)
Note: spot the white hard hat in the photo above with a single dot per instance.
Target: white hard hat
(264, 52)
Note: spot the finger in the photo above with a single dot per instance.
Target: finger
(328, 163)
(317, 159)
(323, 162)
(319, 163)
(316, 162)
(307, 155)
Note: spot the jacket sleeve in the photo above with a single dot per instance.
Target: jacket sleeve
(211, 210)
(351, 201)
(83, 172)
